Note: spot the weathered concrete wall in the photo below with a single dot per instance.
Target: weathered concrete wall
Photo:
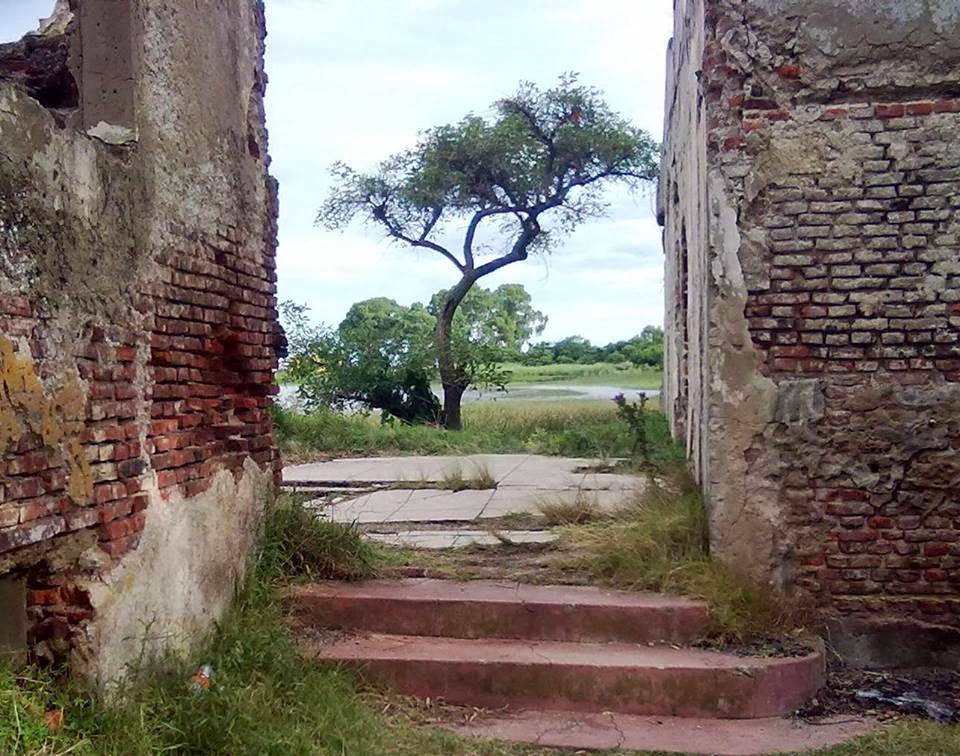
(683, 189)
(826, 217)
(137, 321)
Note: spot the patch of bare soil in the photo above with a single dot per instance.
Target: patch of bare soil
(765, 648)
(927, 693)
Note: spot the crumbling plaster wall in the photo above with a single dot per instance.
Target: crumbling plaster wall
(831, 425)
(137, 323)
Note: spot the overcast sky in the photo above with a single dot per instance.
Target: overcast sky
(357, 80)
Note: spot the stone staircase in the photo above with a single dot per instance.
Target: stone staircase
(554, 651)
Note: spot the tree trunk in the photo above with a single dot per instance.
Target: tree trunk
(452, 396)
(451, 374)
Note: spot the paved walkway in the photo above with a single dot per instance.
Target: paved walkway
(374, 496)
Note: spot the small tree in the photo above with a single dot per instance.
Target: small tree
(517, 183)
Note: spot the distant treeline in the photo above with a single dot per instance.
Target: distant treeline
(645, 349)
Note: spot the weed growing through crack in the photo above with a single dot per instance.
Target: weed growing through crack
(581, 510)
(481, 479)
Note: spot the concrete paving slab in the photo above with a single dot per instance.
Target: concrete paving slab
(434, 468)
(442, 506)
(378, 506)
(524, 483)
(719, 737)
(450, 539)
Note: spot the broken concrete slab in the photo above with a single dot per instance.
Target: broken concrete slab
(507, 501)
(452, 539)
(442, 506)
(404, 505)
(524, 484)
(513, 469)
(719, 737)
(378, 506)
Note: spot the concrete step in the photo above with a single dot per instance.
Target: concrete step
(487, 609)
(627, 678)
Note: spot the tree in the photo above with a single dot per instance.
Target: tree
(380, 357)
(647, 348)
(499, 321)
(575, 349)
(517, 183)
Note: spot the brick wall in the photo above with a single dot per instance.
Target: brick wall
(167, 407)
(840, 166)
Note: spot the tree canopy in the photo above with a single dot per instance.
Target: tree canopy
(507, 187)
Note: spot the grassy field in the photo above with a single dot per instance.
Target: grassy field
(570, 428)
(622, 375)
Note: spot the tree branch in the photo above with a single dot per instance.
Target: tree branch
(379, 213)
(472, 230)
(531, 230)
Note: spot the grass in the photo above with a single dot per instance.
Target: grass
(580, 511)
(571, 428)
(481, 479)
(298, 545)
(909, 737)
(622, 375)
(659, 543)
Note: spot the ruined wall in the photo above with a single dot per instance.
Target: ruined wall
(828, 225)
(137, 321)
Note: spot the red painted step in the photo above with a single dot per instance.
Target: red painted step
(630, 679)
(487, 609)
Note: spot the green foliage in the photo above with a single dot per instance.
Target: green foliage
(646, 349)
(635, 415)
(545, 150)
(380, 357)
(491, 325)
